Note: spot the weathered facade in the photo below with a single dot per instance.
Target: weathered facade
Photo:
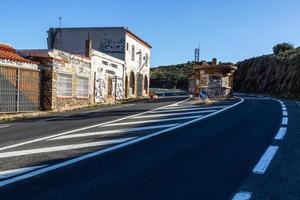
(66, 79)
(19, 82)
(215, 79)
(117, 42)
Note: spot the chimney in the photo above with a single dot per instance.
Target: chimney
(88, 48)
(214, 61)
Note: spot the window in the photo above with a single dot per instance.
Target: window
(140, 57)
(109, 87)
(132, 52)
(114, 65)
(147, 59)
(104, 62)
(64, 85)
(127, 46)
(82, 87)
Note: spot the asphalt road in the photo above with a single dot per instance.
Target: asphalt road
(180, 151)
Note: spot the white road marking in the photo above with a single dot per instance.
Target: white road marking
(84, 128)
(152, 121)
(284, 108)
(242, 196)
(15, 172)
(284, 121)
(187, 109)
(102, 151)
(281, 133)
(112, 131)
(62, 148)
(173, 114)
(4, 126)
(284, 113)
(181, 106)
(265, 160)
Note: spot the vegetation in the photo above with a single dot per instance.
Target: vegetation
(282, 48)
(171, 76)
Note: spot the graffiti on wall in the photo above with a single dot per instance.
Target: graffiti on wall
(111, 46)
(119, 88)
(100, 89)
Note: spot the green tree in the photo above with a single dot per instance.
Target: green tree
(282, 47)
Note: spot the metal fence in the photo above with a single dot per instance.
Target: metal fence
(19, 90)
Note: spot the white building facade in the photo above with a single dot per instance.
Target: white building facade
(121, 47)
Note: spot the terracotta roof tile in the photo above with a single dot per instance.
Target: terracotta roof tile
(9, 53)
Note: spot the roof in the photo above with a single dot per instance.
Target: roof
(9, 53)
(117, 27)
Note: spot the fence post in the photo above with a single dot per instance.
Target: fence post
(18, 90)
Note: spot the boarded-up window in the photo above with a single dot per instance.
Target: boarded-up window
(109, 87)
(82, 87)
(64, 85)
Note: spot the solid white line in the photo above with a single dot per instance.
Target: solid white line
(173, 114)
(84, 128)
(284, 121)
(62, 148)
(242, 196)
(181, 107)
(102, 151)
(187, 109)
(15, 172)
(152, 121)
(113, 131)
(4, 126)
(281, 133)
(284, 113)
(265, 160)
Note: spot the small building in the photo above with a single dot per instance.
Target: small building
(66, 80)
(215, 79)
(19, 82)
(117, 42)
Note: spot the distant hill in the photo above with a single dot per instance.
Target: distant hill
(171, 76)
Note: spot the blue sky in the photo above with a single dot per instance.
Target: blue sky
(230, 30)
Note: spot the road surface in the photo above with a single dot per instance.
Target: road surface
(164, 149)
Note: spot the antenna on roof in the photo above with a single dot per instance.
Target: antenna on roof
(60, 18)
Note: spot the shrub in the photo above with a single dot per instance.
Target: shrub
(282, 47)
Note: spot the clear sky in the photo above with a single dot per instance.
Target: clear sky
(231, 30)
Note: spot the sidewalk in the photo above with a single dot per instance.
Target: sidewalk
(31, 115)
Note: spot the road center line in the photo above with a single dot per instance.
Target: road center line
(265, 160)
(281, 133)
(112, 131)
(62, 148)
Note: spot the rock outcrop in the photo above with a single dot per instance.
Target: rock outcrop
(270, 74)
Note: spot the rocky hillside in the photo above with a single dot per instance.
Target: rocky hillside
(171, 76)
(276, 74)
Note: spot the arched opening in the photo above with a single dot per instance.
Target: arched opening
(146, 84)
(132, 83)
(126, 86)
(109, 87)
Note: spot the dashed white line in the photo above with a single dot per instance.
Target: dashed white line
(242, 196)
(152, 121)
(15, 172)
(113, 131)
(265, 160)
(281, 133)
(62, 148)
(284, 121)
(283, 108)
(284, 113)
(173, 114)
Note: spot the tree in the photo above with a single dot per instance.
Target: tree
(282, 47)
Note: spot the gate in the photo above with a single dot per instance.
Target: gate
(19, 90)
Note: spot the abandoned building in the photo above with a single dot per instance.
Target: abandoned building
(116, 42)
(19, 82)
(65, 79)
(215, 79)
